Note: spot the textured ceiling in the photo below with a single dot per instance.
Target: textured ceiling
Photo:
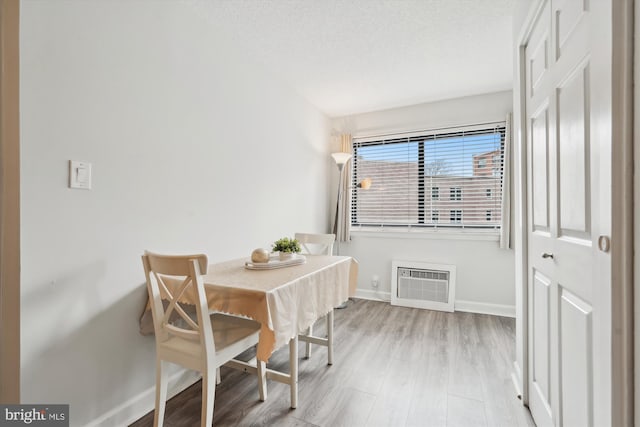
(354, 56)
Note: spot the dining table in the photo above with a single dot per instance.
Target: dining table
(285, 301)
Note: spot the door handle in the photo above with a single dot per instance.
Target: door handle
(547, 255)
(604, 243)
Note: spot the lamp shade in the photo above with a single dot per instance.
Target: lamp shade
(341, 158)
(365, 184)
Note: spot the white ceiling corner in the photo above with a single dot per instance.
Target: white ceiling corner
(354, 56)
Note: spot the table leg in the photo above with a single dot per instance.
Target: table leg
(330, 338)
(262, 379)
(309, 332)
(293, 370)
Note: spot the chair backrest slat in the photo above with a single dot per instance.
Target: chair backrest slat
(174, 306)
(316, 244)
(172, 265)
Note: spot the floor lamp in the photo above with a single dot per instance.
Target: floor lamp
(341, 159)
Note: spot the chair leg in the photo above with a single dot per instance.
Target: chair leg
(161, 392)
(307, 353)
(293, 371)
(208, 399)
(262, 379)
(218, 377)
(330, 338)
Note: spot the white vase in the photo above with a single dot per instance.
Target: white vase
(285, 256)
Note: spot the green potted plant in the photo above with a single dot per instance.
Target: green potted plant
(286, 247)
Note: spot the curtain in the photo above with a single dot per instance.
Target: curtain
(342, 225)
(505, 229)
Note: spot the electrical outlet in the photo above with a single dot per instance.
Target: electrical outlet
(375, 281)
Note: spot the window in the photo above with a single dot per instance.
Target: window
(408, 172)
(455, 193)
(455, 216)
(435, 193)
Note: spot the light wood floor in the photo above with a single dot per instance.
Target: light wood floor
(393, 366)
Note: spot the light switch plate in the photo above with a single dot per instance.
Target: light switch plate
(79, 175)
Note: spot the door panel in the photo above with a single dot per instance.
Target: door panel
(539, 153)
(573, 154)
(576, 359)
(541, 338)
(538, 63)
(569, 15)
(562, 196)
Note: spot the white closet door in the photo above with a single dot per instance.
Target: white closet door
(569, 155)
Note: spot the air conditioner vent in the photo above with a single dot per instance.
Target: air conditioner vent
(426, 274)
(423, 285)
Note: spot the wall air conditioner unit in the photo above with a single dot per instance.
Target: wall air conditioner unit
(423, 285)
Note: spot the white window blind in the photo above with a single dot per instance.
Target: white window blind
(415, 177)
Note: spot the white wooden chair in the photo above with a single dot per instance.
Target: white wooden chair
(203, 343)
(318, 244)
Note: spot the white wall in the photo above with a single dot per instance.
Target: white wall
(194, 149)
(485, 273)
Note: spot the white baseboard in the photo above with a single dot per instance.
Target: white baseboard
(373, 295)
(485, 308)
(139, 405)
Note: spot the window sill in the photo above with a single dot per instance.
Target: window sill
(427, 234)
